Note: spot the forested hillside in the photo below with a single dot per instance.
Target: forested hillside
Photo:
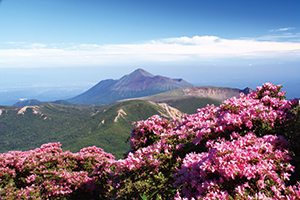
(73, 126)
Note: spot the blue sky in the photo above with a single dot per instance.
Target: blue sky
(73, 43)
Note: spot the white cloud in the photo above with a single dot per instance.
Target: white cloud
(37, 45)
(286, 37)
(181, 49)
(283, 29)
(194, 40)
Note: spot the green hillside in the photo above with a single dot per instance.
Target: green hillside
(186, 104)
(28, 130)
(78, 126)
(190, 104)
(74, 127)
(105, 130)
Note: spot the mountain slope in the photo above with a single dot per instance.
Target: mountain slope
(137, 84)
(106, 126)
(33, 102)
(75, 127)
(214, 92)
(30, 102)
(189, 99)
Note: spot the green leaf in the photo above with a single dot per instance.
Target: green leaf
(144, 197)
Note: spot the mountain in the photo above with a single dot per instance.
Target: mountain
(76, 126)
(215, 92)
(137, 84)
(107, 126)
(189, 99)
(33, 102)
(30, 102)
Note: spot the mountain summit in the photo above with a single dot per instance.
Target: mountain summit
(137, 84)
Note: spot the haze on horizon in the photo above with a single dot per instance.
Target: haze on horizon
(71, 45)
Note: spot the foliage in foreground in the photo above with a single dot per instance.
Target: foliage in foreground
(248, 148)
(50, 173)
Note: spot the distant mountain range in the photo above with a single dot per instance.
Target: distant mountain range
(33, 102)
(137, 84)
(77, 126)
(137, 96)
(142, 84)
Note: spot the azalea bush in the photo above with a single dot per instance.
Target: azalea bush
(190, 158)
(247, 148)
(242, 168)
(49, 173)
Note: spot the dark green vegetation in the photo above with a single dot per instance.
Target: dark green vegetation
(74, 127)
(22, 129)
(78, 126)
(33, 102)
(30, 102)
(190, 104)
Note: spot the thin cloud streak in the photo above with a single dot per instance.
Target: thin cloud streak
(284, 37)
(282, 29)
(180, 49)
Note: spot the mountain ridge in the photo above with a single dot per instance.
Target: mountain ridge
(215, 92)
(141, 84)
(76, 126)
(136, 84)
(221, 93)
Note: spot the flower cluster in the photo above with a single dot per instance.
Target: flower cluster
(48, 172)
(240, 168)
(171, 146)
(150, 131)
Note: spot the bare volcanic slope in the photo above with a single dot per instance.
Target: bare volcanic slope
(137, 84)
(189, 99)
(215, 92)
